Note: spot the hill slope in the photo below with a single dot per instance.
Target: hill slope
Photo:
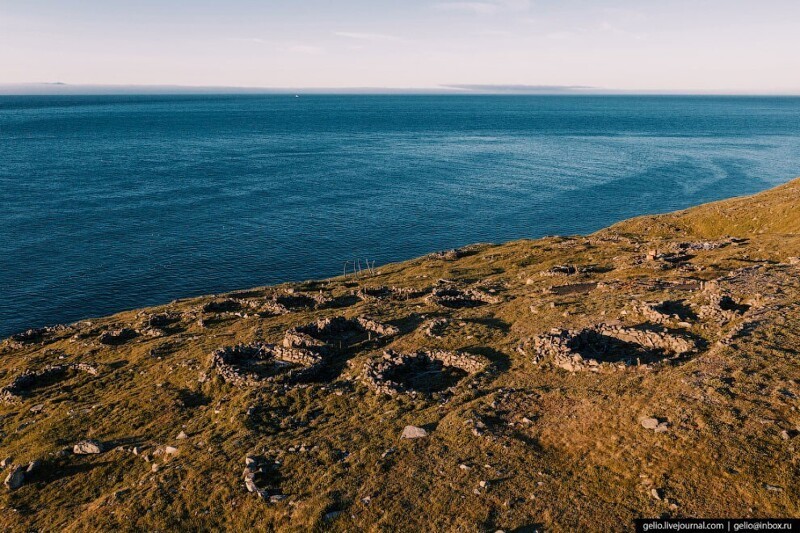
(571, 382)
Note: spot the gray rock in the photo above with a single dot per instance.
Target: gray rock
(182, 435)
(413, 432)
(86, 447)
(649, 423)
(6, 462)
(275, 498)
(34, 466)
(15, 479)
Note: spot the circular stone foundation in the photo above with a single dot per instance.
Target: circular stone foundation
(603, 345)
(250, 364)
(422, 372)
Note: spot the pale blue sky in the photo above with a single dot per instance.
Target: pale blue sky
(670, 45)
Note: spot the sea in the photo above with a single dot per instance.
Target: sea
(117, 202)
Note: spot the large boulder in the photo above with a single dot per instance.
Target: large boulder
(87, 447)
(413, 432)
(16, 478)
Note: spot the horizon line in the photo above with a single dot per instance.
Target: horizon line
(92, 89)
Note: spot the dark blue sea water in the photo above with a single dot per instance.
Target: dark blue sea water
(115, 202)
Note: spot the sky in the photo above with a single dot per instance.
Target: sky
(736, 46)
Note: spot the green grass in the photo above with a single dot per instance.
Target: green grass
(558, 449)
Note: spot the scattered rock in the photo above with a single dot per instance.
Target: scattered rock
(35, 335)
(413, 432)
(16, 478)
(649, 423)
(387, 293)
(435, 328)
(455, 297)
(182, 435)
(87, 447)
(34, 466)
(117, 336)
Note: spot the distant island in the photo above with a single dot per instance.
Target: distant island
(568, 383)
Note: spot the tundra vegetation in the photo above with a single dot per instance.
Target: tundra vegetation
(573, 383)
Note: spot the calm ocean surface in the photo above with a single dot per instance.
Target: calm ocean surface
(110, 203)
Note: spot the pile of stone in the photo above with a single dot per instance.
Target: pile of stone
(450, 255)
(707, 245)
(571, 270)
(19, 475)
(331, 333)
(721, 308)
(31, 379)
(289, 301)
(260, 477)
(664, 260)
(153, 325)
(387, 293)
(560, 271)
(664, 311)
(246, 365)
(224, 305)
(455, 297)
(436, 327)
(603, 345)
(395, 373)
(35, 335)
(116, 337)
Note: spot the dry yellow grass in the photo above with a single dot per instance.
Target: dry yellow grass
(559, 449)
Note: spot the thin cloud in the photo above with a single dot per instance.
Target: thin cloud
(360, 36)
(253, 40)
(479, 8)
(303, 49)
(484, 8)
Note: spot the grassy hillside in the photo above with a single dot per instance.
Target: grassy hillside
(573, 383)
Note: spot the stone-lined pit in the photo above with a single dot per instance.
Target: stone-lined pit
(250, 364)
(455, 297)
(336, 333)
(29, 380)
(601, 345)
(425, 372)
